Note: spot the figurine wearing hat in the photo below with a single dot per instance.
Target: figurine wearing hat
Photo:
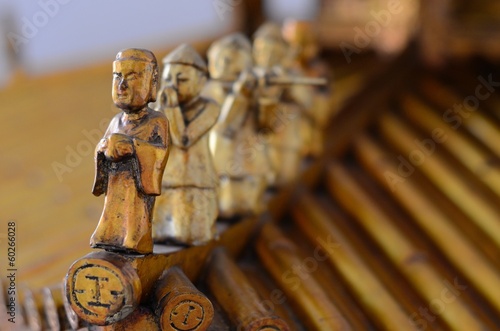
(279, 115)
(315, 100)
(131, 157)
(187, 210)
(239, 154)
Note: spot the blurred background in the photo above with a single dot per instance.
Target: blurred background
(46, 36)
(55, 87)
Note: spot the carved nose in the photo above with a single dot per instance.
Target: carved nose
(122, 85)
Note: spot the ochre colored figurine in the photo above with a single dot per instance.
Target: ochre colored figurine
(226, 60)
(187, 209)
(131, 157)
(279, 118)
(315, 100)
(239, 155)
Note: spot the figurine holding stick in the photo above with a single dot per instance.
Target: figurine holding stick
(315, 100)
(239, 155)
(280, 116)
(131, 157)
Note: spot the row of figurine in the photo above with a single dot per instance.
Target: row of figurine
(229, 130)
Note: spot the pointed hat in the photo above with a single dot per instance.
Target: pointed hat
(187, 55)
(235, 40)
(269, 30)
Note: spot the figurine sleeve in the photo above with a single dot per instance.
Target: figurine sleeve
(233, 112)
(201, 124)
(152, 158)
(101, 176)
(176, 124)
(102, 164)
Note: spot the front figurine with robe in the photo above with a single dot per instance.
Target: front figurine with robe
(131, 157)
(186, 211)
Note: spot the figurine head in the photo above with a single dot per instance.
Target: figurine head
(185, 71)
(300, 37)
(135, 79)
(229, 56)
(269, 47)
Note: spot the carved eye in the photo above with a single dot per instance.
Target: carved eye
(132, 76)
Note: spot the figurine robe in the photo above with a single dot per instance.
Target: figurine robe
(284, 141)
(240, 156)
(281, 124)
(187, 209)
(315, 102)
(131, 183)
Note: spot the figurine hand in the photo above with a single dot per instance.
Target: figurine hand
(264, 89)
(119, 146)
(270, 91)
(246, 83)
(168, 97)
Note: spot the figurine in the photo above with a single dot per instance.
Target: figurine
(239, 155)
(280, 119)
(131, 157)
(315, 101)
(226, 60)
(187, 210)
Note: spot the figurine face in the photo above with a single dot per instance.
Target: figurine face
(268, 52)
(229, 63)
(311, 51)
(301, 39)
(131, 85)
(305, 52)
(185, 79)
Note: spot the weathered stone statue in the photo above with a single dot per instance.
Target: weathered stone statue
(131, 157)
(187, 210)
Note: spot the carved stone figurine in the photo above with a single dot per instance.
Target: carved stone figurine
(315, 100)
(131, 157)
(279, 117)
(239, 153)
(187, 210)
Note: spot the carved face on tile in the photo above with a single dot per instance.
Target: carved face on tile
(135, 77)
